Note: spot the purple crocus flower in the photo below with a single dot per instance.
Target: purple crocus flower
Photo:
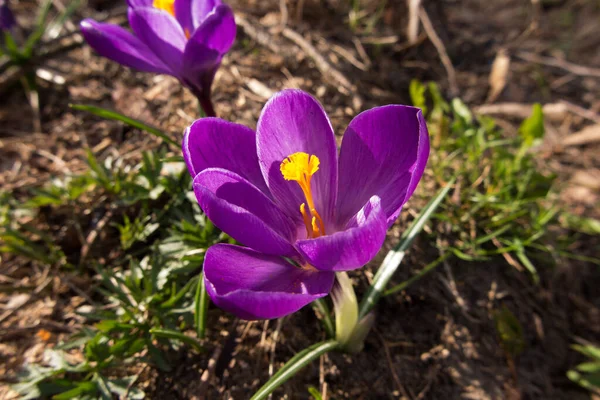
(302, 211)
(183, 38)
(7, 19)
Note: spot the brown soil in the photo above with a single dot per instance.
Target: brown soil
(437, 339)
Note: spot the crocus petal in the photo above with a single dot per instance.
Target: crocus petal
(217, 31)
(384, 152)
(215, 143)
(293, 121)
(161, 32)
(183, 13)
(239, 208)
(201, 8)
(114, 42)
(351, 248)
(252, 285)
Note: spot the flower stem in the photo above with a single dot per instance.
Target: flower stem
(206, 106)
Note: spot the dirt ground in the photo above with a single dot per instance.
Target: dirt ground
(437, 339)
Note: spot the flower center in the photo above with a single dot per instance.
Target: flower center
(167, 5)
(300, 167)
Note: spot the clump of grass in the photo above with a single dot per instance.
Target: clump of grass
(148, 292)
(502, 202)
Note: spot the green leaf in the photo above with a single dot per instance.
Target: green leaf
(102, 387)
(589, 367)
(40, 28)
(81, 388)
(314, 392)
(295, 364)
(115, 116)
(179, 295)
(393, 259)
(587, 225)
(590, 351)
(417, 94)
(201, 302)
(108, 326)
(462, 110)
(532, 129)
(174, 335)
(12, 47)
(510, 331)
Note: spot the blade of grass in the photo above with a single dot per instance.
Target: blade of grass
(40, 28)
(427, 269)
(295, 364)
(393, 259)
(200, 307)
(115, 116)
(528, 265)
(56, 27)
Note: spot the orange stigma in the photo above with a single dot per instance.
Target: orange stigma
(300, 167)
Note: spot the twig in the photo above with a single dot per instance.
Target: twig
(582, 112)
(439, 45)
(261, 36)
(205, 378)
(284, 14)
(555, 111)
(509, 259)
(37, 291)
(381, 40)
(552, 111)
(361, 51)
(562, 64)
(91, 237)
(322, 381)
(349, 57)
(589, 134)
(412, 29)
(388, 356)
(320, 62)
(299, 10)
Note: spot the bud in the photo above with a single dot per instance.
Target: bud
(349, 331)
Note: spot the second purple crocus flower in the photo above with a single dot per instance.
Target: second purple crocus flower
(7, 19)
(302, 211)
(183, 38)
